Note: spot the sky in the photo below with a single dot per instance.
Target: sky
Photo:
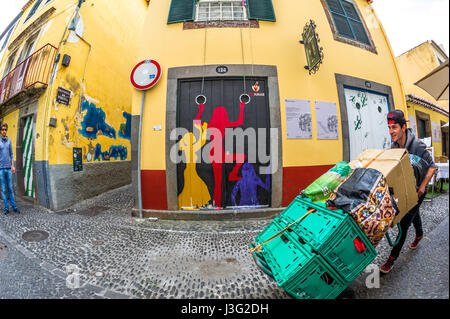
(9, 9)
(407, 23)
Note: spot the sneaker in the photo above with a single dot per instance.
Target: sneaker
(6, 212)
(387, 267)
(415, 242)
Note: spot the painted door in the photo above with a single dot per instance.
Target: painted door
(220, 174)
(27, 149)
(367, 124)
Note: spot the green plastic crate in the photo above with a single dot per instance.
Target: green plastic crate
(341, 252)
(317, 281)
(331, 233)
(296, 268)
(284, 255)
(318, 227)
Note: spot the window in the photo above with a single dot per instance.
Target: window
(28, 48)
(422, 128)
(34, 9)
(423, 124)
(9, 63)
(220, 10)
(438, 57)
(347, 21)
(213, 10)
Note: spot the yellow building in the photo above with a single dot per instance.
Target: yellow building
(66, 96)
(307, 83)
(426, 115)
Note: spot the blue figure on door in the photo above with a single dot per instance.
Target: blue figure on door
(248, 186)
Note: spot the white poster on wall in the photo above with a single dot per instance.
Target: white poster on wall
(412, 124)
(298, 119)
(367, 121)
(436, 131)
(327, 121)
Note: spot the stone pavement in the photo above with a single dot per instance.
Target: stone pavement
(96, 249)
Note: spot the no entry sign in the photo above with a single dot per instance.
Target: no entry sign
(145, 74)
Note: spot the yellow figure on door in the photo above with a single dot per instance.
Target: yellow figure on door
(195, 193)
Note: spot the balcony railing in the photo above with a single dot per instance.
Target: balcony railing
(34, 70)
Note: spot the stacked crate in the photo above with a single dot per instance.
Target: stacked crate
(318, 256)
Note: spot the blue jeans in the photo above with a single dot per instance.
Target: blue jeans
(6, 186)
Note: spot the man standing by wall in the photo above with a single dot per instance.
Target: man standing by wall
(6, 170)
(405, 138)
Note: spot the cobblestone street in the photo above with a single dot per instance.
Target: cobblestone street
(117, 256)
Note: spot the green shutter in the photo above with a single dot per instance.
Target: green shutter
(348, 23)
(260, 10)
(181, 10)
(334, 6)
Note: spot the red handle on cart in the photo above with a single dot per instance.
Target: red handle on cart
(359, 245)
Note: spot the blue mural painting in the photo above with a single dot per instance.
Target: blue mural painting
(94, 122)
(114, 151)
(248, 186)
(125, 129)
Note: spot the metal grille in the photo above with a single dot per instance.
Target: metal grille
(35, 69)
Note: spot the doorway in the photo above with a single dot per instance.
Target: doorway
(218, 174)
(25, 158)
(367, 112)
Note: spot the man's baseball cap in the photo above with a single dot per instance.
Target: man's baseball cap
(396, 117)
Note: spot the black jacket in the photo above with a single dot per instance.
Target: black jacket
(416, 147)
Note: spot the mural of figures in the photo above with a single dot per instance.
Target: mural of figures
(94, 122)
(217, 168)
(125, 129)
(195, 193)
(115, 151)
(247, 187)
(220, 121)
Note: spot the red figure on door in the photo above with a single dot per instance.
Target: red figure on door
(220, 121)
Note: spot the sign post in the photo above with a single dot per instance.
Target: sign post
(144, 76)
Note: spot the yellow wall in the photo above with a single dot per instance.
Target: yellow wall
(434, 117)
(107, 54)
(273, 43)
(11, 120)
(414, 65)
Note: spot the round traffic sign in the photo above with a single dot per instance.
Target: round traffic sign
(146, 74)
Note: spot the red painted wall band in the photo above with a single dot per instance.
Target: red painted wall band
(295, 179)
(154, 191)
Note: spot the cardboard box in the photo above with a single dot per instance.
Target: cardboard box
(396, 167)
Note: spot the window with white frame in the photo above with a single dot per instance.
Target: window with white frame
(220, 10)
